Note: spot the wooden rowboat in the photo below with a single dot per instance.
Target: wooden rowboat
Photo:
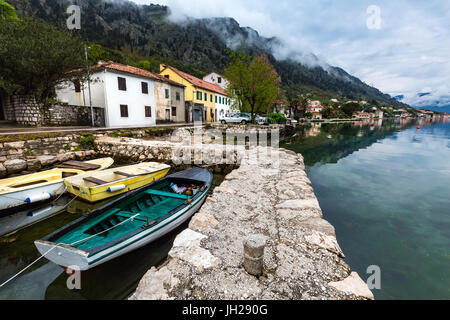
(101, 185)
(129, 222)
(22, 191)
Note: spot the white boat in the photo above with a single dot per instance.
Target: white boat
(129, 222)
(22, 191)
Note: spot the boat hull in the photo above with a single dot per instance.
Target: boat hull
(101, 192)
(17, 199)
(70, 257)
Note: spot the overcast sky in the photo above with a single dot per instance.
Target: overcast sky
(406, 53)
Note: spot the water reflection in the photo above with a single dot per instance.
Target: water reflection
(329, 142)
(385, 190)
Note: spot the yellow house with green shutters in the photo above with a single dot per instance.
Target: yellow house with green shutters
(200, 95)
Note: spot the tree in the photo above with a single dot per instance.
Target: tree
(7, 11)
(254, 83)
(35, 57)
(349, 108)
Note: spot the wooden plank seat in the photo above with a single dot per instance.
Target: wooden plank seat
(95, 180)
(166, 194)
(79, 165)
(120, 173)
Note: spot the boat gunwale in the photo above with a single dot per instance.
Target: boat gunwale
(185, 205)
(116, 181)
(5, 190)
(92, 251)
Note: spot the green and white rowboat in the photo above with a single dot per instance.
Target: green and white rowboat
(129, 222)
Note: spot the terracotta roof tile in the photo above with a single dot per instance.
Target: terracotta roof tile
(198, 82)
(136, 71)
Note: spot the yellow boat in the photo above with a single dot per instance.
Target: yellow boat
(40, 186)
(97, 186)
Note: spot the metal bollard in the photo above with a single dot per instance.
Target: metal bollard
(254, 254)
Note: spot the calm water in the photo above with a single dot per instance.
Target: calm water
(116, 279)
(386, 189)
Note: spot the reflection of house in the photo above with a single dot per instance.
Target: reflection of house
(200, 95)
(129, 96)
(314, 130)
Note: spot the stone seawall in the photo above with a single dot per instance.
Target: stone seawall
(32, 155)
(302, 258)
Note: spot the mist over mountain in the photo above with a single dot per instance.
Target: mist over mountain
(435, 100)
(200, 46)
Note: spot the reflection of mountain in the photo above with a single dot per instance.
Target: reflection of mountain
(337, 141)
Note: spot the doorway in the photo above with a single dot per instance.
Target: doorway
(167, 115)
(2, 109)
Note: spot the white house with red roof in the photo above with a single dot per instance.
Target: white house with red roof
(130, 96)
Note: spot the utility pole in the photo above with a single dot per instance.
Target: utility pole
(89, 85)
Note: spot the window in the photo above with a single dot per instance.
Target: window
(216, 99)
(122, 83)
(148, 111)
(167, 93)
(206, 96)
(199, 95)
(144, 86)
(174, 111)
(220, 99)
(178, 96)
(124, 111)
(219, 79)
(211, 98)
(77, 85)
(167, 76)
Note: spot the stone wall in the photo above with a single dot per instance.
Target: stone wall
(67, 115)
(24, 110)
(31, 155)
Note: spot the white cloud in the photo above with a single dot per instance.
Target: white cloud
(410, 52)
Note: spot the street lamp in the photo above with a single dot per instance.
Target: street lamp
(89, 85)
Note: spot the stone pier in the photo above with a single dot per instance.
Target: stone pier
(302, 259)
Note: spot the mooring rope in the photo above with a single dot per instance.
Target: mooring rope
(72, 244)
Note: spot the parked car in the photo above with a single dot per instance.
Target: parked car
(261, 120)
(240, 117)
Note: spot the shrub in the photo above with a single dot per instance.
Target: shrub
(87, 141)
(277, 118)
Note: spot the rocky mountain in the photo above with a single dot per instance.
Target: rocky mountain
(198, 46)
